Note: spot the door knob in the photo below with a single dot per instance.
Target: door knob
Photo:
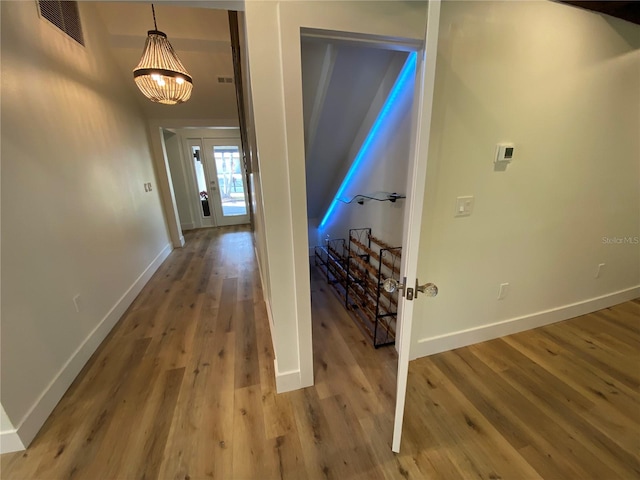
(429, 289)
(390, 285)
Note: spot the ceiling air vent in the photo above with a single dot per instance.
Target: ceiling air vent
(225, 79)
(64, 15)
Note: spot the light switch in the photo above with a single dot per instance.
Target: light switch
(464, 206)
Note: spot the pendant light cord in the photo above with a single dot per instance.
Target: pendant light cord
(155, 25)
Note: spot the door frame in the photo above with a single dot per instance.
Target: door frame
(163, 172)
(422, 115)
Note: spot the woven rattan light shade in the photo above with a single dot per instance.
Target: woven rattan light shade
(160, 75)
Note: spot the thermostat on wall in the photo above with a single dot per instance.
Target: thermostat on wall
(504, 153)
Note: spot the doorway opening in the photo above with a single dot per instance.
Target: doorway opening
(208, 176)
(358, 111)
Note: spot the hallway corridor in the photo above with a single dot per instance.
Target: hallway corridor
(183, 388)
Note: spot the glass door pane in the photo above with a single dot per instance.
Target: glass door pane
(201, 181)
(230, 180)
(229, 195)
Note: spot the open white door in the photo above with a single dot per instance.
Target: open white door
(425, 82)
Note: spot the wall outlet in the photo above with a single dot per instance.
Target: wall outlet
(77, 303)
(503, 291)
(600, 270)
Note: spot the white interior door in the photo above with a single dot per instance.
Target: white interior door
(227, 181)
(423, 102)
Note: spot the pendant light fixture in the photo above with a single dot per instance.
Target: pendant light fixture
(160, 75)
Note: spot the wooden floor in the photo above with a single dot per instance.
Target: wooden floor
(183, 388)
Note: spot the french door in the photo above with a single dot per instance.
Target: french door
(227, 189)
(219, 180)
(219, 188)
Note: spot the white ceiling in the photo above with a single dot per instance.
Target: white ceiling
(200, 37)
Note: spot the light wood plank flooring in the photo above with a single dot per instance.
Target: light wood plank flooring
(183, 388)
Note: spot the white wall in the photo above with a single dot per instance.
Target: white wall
(76, 219)
(257, 205)
(179, 179)
(561, 84)
(273, 30)
(382, 169)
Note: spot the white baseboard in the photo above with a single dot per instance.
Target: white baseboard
(29, 426)
(10, 442)
(462, 338)
(187, 226)
(287, 381)
(182, 242)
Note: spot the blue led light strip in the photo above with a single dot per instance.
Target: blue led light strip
(406, 74)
